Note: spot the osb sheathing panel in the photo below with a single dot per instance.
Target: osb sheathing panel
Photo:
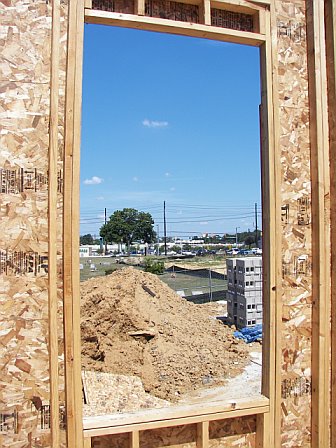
(116, 441)
(24, 93)
(235, 432)
(296, 221)
(183, 436)
(25, 41)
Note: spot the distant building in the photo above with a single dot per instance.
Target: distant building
(244, 295)
(85, 251)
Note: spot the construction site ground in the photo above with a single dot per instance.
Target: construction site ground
(145, 347)
(102, 264)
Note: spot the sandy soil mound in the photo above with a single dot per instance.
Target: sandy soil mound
(133, 324)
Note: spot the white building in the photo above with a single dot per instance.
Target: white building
(244, 296)
(85, 251)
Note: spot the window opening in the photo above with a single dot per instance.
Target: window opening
(143, 168)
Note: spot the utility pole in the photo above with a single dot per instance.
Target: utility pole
(158, 240)
(105, 224)
(164, 227)
(256, 224)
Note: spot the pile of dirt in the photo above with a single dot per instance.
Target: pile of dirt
(133, 324)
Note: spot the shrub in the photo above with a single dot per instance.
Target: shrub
(154, 267)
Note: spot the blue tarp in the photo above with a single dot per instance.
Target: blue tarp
(249, 334)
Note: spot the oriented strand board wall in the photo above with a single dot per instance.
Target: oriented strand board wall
(235, 432)
(25, 84)
(296, 223)
(26, 34)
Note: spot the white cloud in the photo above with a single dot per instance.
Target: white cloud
(135, 179)
(95, 180)
(154, 124)
(167, 174)
(204, 223)
(172, 188)
(100, 198)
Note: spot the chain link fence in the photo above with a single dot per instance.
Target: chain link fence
(196, 285)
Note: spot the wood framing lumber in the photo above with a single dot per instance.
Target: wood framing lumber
(202, 435)
(263, 431)
(77, 365)
(241, 407)
(87, 442)
(240, 6)
(98, 430)
(71, 225)
(134, 439)
(260, 21)
(52, 226)
(261, 2)
(308, 134)
(206, 12)
(161, 418)
(270, 166)
(191, 2)
(170, 27)
(330, 15)
(320, 223)
(140, 7)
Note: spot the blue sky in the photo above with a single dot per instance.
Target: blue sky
(169, 118)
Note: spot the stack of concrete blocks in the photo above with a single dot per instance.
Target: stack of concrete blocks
(244, 296)
(231, 295)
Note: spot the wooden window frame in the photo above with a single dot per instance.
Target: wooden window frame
(267, 414)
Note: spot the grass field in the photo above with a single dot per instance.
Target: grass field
(191, 283)
(178, 281)
(102, 264)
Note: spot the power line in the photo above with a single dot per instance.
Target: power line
(158, 206)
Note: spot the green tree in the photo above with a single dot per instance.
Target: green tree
(86, 239)
(176, 249)
(129, 225)
(249, 240)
